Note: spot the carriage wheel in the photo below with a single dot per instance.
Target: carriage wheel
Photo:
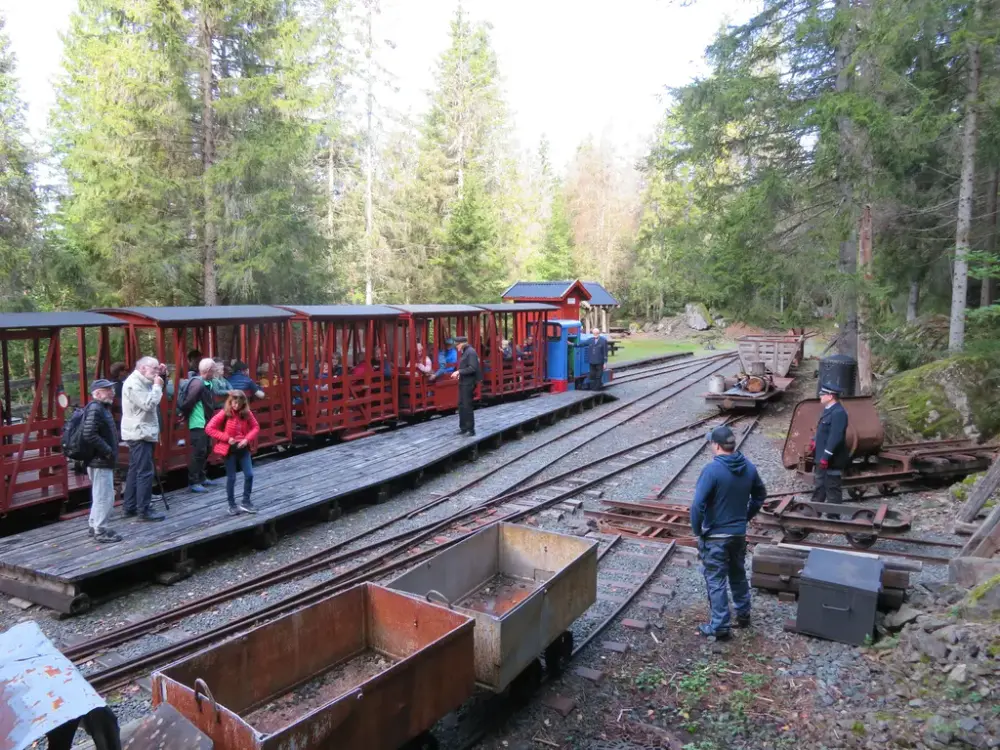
(862, 541)
(857, 493)
(886, 490)
(796, 533)
(523, 687)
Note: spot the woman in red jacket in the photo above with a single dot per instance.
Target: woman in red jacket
(235, 429)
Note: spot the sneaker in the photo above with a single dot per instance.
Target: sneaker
(233, 510)
(471, 433)
(247, 507)
(131, 513)
(742, 621)
(90, 531)
(107, 536)
(212, 482)
(150, 516)
(462, 432)
(197, 488)
(720, 635)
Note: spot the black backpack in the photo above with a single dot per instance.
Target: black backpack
(73, 446)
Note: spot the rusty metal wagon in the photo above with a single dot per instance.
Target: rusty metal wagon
(368, 668)
(524, 587)
(777, 354)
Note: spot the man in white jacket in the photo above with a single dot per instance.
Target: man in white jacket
(141, 396)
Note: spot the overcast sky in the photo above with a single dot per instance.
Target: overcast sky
(571, 68)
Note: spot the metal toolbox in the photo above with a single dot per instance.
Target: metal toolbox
(367, 668)
(838, 596)
(524, 587)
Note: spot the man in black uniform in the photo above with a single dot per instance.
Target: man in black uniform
(468, 374)
(597, 356)
(830, 447)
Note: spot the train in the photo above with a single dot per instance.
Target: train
(325, 372)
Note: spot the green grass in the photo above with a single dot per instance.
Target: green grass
(641, 348)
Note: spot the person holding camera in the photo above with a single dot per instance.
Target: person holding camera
(141, 396)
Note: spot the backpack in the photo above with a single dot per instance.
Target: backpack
(182, 390)
(73, 446)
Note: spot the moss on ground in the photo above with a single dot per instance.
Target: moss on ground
(950, 398)
(983, 589)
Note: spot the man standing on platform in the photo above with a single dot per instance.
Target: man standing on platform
(141, 396)
(198, 407)
(830, 447)
(101, 438)
(468, 374)
(729, 493)
(597, 356)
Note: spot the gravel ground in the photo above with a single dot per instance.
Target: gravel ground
(768, 688)
(243, 564)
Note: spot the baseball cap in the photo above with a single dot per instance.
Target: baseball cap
(461, 340)
(101, 383)
(449, 341)
(722, 436)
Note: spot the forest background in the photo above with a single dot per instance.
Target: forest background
(222, 151)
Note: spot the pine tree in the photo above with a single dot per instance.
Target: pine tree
(18, 200)
(184, 133)
(555, 261)
(469, 262)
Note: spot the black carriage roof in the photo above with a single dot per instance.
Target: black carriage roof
(73, 319)
(207, 314)
(344, 311)
(438, 309)
(519, 307)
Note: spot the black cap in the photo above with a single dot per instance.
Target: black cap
(832, 390)
(449, 341)
(239, 366)
(723, 437)
(461, 340)
(101, 383)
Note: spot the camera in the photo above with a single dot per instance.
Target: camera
(161, 370)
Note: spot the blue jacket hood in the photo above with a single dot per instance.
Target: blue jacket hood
(735, 462)
(729, 493)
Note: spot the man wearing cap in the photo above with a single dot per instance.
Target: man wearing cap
(447, 359)
(830, 447)
(597, 357)
(729, 493)
(469, 374)
(100, 436)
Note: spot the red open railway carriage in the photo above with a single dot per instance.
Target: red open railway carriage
(341, 375)
(255, 334)
(430, 326)
(520, 366)
(34, 469)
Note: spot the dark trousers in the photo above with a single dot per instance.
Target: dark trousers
(139, 481)
(238, 459)
(199, 455)
(466, 416)
(597, 377)
(828, 484)
(723, 562)
(100, 724)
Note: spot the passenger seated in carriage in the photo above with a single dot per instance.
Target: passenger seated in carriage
(423, 362)
(447, 359)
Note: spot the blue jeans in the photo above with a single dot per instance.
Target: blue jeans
(139, 481)
(238, 460)
(722, 562)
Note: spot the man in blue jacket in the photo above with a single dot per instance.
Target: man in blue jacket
(597, 357)
(830, 448)
(728, 494)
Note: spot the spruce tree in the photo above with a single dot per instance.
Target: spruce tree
(18, 199)
(555, 261)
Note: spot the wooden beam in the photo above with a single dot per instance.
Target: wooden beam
(981, 493)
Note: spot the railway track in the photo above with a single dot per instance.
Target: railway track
(373, 559)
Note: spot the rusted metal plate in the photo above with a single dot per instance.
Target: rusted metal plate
(865, 434)
(302, 682)
(40, 689)
(523, 586)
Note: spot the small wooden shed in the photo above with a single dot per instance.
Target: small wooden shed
(586, 301)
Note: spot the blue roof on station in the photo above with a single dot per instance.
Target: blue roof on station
(558, 289)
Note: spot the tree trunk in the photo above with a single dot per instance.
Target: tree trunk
(847, 341)
(369, 168)
(864, 350)
(207, 157)
(966, 195)
(986, 295)
(913, 301)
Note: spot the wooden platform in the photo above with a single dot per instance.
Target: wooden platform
(56, 565)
